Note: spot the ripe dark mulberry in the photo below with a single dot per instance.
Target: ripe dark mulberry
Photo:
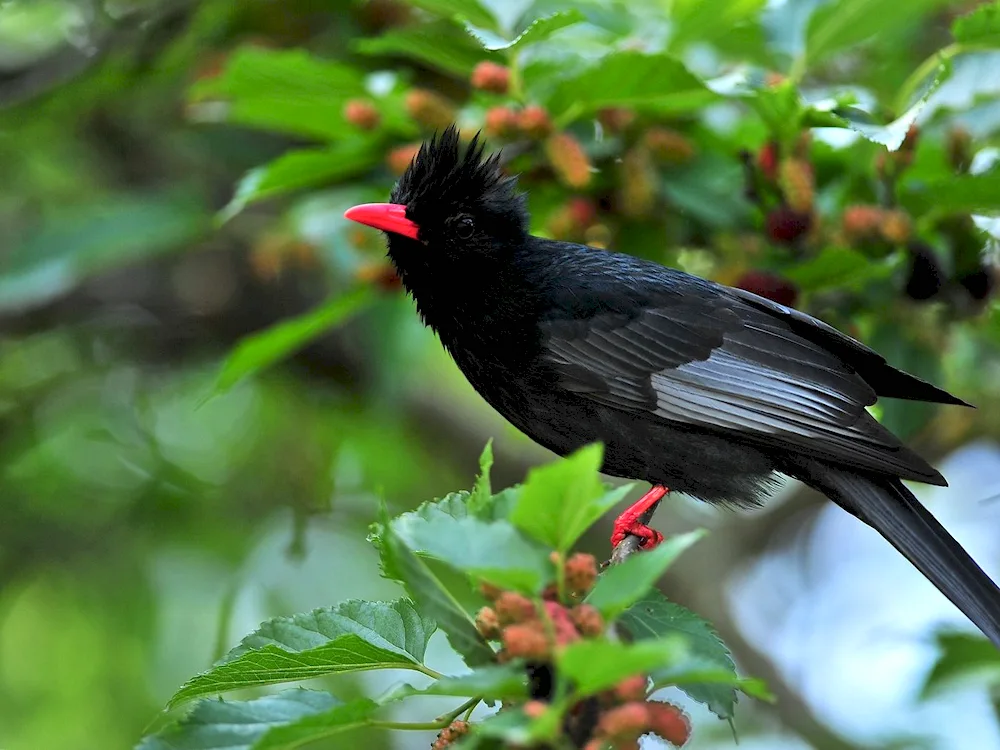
(786, 225)
(926, 276)
(979, 284)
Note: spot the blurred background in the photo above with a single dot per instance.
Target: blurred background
(173, 176)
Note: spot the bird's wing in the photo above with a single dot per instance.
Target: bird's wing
(715, 362)
(869, 364)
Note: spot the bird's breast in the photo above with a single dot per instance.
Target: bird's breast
(501, 364)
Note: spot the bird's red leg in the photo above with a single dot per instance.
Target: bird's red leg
(628, 522)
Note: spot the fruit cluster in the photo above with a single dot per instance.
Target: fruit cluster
(532, 632)
(451, 734)
(627, 183)
(624, 180)
(784, 187)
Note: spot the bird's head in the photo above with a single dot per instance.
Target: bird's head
(452, 205)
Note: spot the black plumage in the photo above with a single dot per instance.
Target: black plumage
(689, 384)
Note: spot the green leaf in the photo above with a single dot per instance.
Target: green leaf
(704, 684)
(540, 30)
(653, 617)
(516, 729)
(841, 24)
(781, 108)
(482, 492)
(434, 599)
(837, 268)
(352, 636)
(238, 725)
(79, 243)
(703, 190)
(561, 500)
(963, 656)
(958, 194)
(467, 10)
(263, 349)
(492, 682)
(981, 27)
(501, 505)
(318, 726)
(289, 91)
(441, 44)
(296, 170)
(892, 134)
(595, 665)
(622, 585)
(493, 551)
(705, 21)
(512, 15)
(655, 83)
(454, 504)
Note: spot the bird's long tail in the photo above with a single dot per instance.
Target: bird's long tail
(887, 506)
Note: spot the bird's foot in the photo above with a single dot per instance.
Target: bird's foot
(650, 537)
(629, 523)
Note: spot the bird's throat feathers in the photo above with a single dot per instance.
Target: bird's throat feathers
(461, 297)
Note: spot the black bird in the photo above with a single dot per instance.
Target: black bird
(690, 385)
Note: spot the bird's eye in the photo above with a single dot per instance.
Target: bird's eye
(464, 226)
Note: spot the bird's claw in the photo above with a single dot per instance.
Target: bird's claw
(649, 538)
(629, 523)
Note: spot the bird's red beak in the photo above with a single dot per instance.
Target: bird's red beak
(389, 217)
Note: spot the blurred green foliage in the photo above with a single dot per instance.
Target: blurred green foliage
(175, 175)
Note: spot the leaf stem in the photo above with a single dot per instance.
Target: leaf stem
(561, 577)
(226, 610)
(466, 708)
(567, 117)
(516, 80)
(427, 671)
(468, 714)
(411, 726)
(439, 723)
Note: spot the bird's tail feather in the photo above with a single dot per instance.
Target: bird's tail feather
(887, 506)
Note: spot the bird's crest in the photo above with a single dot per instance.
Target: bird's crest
(442, 173)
